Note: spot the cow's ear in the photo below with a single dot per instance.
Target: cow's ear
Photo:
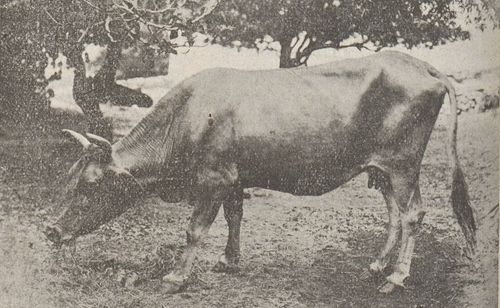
(74, 175)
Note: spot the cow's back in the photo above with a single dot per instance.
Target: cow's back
(302, 130)
(307, 97)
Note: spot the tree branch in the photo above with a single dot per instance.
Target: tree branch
(92, 5)
(303, 56)
(143, 20)
(86, 31)
(313, 45)
(167, 8)
(323, 45)
(304, 41)
(51, 17)
(108, 31)
(359, 45)
(207, 9)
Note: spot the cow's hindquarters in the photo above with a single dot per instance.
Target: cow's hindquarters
(404, 188)
(400, 162)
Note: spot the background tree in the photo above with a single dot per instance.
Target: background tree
(33, 30)
(303, 26)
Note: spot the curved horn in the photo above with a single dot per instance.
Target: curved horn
(79, 137)
(98, 140)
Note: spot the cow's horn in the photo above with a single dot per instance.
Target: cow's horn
(99, 141)
(79, 137)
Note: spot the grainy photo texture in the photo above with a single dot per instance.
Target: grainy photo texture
(249, 153)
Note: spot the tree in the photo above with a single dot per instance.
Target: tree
(33, 30)
(303, 26)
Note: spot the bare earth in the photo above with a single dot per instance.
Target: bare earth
(296, 251)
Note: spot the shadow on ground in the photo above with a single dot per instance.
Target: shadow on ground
(433, 282)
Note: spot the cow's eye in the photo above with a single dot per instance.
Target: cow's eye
(84, 205)
(87, 187)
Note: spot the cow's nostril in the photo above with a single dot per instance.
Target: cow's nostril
(53, 234)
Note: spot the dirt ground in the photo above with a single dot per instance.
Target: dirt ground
(296, 251)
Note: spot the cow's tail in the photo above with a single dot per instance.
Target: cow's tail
(459, 192)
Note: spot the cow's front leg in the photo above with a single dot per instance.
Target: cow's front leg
(202, 218)
(233, 212)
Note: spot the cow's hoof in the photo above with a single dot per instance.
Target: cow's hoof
(367, 275)
(172, 284)
(226, 266)
(387, 288)
(171, 288)
(397, 279)
(222, 267)
(374, 271)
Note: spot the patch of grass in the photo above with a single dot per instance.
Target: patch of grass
(23, 258)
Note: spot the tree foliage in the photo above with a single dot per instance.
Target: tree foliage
(303, 26)
(33, 30)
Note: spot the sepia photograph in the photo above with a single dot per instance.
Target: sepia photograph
(249, 153)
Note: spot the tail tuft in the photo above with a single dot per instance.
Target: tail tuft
(462, 209)
(459, 195)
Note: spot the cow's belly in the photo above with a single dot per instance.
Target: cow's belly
(309, 180)
(310, 166)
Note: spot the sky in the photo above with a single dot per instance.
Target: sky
(480, 52)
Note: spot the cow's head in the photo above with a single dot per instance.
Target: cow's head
(98, 190)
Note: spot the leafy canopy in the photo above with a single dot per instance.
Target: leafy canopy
(32, 30)
(302, 26)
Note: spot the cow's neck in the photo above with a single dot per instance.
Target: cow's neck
(141, 154)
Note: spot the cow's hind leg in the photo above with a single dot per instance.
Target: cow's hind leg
(206, 207)
(233, 212)
(407, 196)
(378, 179)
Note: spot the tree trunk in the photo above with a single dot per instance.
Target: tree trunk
(286, 52)
(104, 80)
(102, 88)
(88, 98)
(106, 87)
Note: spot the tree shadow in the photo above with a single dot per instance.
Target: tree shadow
(335, 276)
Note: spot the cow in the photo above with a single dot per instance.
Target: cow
(303, 131)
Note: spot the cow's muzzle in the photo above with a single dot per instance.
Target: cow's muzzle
(55, 235)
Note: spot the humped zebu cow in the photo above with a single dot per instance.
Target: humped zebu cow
(303, 131)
